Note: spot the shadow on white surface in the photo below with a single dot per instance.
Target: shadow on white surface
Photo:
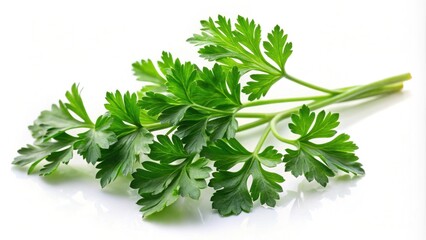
(308, 196)
(77, 186)
(183, 212)
(362, 109)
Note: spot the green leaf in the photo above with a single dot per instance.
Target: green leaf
(124, 107)
(223, 127)
(53, 143)
(188, 86)
(198, 118)
(277, 48)
(54, 122)
(249, 34)
(180, 81)
(55, 159)
(122, 156)
(168, 108)
(260, 85)
(240, 46)
(146, 72)
(166, 150)
(55, 151)
(59, 119)
(156, 203)
(92, 141)
(232, 194)
(167, 62)
(218, 89)
(146, 119)
(156, 103)
(193, 134)
(173, 172)
(75, 104)
(173, 114)
(318, 161)
(221, 39)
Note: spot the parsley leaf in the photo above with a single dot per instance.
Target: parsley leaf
(92, 141)
(277, 48)
(193, 133)
(123, 155)
(146, 71)
(55, 151)
(187, 107)
(124, 107)
(223, 127)
(240, 46)
(55, 159)
(53, 144)
(173, 172)
(59, 119)
(232, 193)
(132, 138)
(318, 161)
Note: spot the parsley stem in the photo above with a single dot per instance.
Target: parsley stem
(156, 126)
(309, 85)
(274, 131)
(385, 86)
(350, 93)
(253, 124)
(353, 92)
(171, 130)
(281, 100)
(262, 140)
(251, 115)
(347, 95)
(200, 107)
(377, 91)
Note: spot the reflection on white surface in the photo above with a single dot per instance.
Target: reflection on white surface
(308, 197)
(74, 186)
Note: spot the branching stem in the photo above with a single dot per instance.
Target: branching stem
(386, 85)
(310, 85)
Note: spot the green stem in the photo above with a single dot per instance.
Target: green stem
(378, 91)
(354, 92)
(262, 140)
(309, 85)
(86, 125)
(281, 100)
(156, 126)
(338, 98)
(274, 131)
(254, 124)
(171, 130)
(345, 96)
(391, 88)
(200, 107)
(251, 115)
(388, 85)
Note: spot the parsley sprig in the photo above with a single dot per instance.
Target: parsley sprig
(197, 109)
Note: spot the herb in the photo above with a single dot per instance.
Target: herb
(232, 195)
(173, 172)
(197, 109)
(334, 155)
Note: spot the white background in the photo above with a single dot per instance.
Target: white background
(45, 46)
